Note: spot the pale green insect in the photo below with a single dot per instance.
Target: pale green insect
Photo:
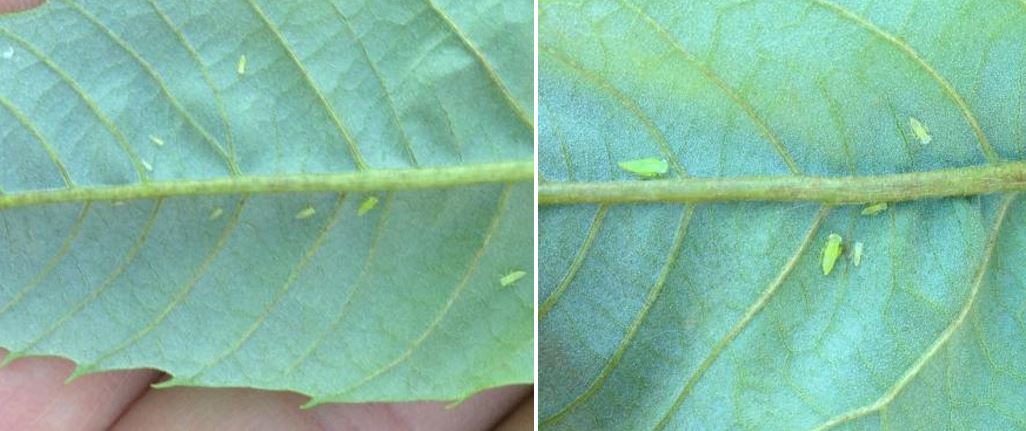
(306, 213)
(831, 251)
(216, 213)
(146, 165)
(874, 209)
(156, 141)
(645, 168)
(511, 278)
(367, 205)
(856, 254)
(241, 68)
(922, 133)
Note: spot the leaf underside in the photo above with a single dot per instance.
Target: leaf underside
(718, 316)
(293, 291)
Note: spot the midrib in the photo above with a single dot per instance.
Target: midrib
(968, 181)
(363, 181)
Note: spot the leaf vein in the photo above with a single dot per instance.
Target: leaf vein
(340, 126)
(119, 138)
(479, 56)
(184, 41)
(311, 251)
(148, 69)
(107, 281)
(453, 296)
(631, 106)
(357, 284)
(881, 403)
(905, 48)
(184, 291)
(653, 295)
(747, 317)
(43, 142)
(720, 84)
(407, 143)
(575, 265)
(51, 263)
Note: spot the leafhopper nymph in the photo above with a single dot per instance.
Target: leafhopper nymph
(306, 213)
(922, 133)
(511, 278)
(241, 68)
(831, 251)
(856, 254)
(646, 168)
(367, 205)
(874, 209)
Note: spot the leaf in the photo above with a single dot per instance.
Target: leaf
(698, 301)
(240, 259)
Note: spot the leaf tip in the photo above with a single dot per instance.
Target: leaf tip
(11, 357)
(174, 381)
(313, 402)
(79, 371)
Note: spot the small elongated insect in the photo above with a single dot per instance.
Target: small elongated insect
(874, 209)
(367, 205)
(306, 213)
(146, 165)
(922, 133)
(241, 68)
(831, 251)
(511, 278)
(856, 253)
(156, 141)
(216, 213)
(645, 168)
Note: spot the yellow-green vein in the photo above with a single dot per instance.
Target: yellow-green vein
(746, 318)
(630, 105)
(952, 93)
(107, 281)
(944, 336)
(489, 70)
(729, 91)
(119, 138)
(381, 83)
(52, 263)
(354, 149)
(152, 73)
(222, 240)
(375, 180)
(575, 265)
(453, 296)
(653, 295)
(50, 151)
(386, 211)
(180, 35)
(311, 251)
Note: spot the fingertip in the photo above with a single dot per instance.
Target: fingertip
(9, 6)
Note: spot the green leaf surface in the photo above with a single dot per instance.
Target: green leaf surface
(165, 205)
(716, 314)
